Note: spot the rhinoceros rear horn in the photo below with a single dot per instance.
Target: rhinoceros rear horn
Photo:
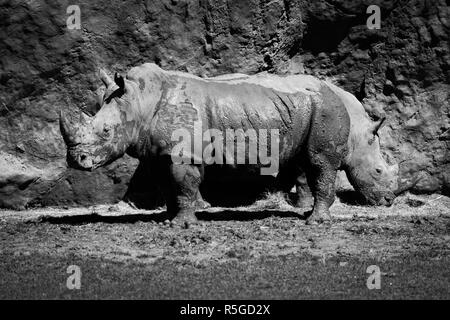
(118, 79)
(378, 125)
(107, 81)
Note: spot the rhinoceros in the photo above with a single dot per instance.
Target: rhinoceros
(321, 129)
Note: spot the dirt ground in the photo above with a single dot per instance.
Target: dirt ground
(264, 251)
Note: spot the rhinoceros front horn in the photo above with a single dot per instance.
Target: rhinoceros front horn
(66, 129)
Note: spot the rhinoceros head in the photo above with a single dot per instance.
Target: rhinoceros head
(98, 140)
(366, 169)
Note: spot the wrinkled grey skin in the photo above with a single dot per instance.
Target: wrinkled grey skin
(364, 165)
(362, 161)
(322, 129)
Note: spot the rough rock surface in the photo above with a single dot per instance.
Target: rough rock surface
(401, 71)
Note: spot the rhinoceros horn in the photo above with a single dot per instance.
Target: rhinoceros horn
(408, 185)
(69, 132)
(107, 81)
(66, 129)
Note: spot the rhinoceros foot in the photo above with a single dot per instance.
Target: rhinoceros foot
(318, 217)
(202, 204)
(185, 219)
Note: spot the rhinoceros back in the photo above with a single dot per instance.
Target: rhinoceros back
(237, 101)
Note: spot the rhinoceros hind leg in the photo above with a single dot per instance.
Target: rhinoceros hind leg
(293, 175)
(304, 196)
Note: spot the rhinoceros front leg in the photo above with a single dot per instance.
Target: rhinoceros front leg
(183, 196)
(321, 177)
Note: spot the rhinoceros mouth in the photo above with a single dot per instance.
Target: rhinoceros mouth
(387, 200)
(384, 198)
(77, 163)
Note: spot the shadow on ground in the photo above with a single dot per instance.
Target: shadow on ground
(228, 214)
(351, 197)
(225, 215)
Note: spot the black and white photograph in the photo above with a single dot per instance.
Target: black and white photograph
(236, 151)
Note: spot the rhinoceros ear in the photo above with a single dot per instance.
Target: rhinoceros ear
(118, 79)
(107, 81)
(378, 125)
